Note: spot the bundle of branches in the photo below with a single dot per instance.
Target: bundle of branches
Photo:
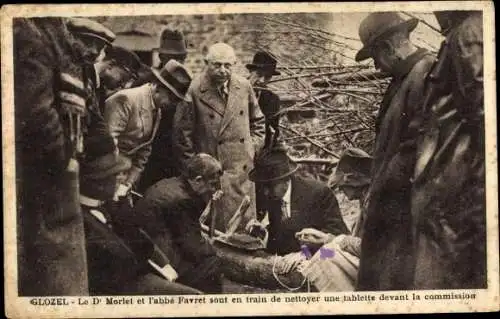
(319, 79)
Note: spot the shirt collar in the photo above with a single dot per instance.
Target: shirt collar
(97, 78)
(89, 202)
(288, 193)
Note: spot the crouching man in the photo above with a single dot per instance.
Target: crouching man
(170, 212)
(334, 267)
(121, 257)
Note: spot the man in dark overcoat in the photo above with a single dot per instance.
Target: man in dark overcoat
(449, 201)
(48, 90)
(386, 249)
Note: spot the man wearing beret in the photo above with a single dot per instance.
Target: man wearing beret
(91, 39)
(48, 94)
(386, 248)
(122, 259)
(133, 115)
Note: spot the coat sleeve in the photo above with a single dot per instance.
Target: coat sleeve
(256, 118)
(39, 129)
(184, 130)
(116, 115)
(139, 160)
(399, 170)
(330, 219)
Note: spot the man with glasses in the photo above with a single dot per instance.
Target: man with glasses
(223, 119)
(386, 247)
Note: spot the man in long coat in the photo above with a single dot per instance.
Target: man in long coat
(224, 120)
(386, 242)
(448, 201)
(48, 87)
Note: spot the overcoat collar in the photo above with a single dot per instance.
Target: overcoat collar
(212, 98)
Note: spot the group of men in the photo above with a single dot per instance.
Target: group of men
(95, 128)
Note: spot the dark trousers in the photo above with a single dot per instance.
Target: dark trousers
(205, 276)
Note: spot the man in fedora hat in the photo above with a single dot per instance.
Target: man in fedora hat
(161, 163)
(386, 244)
(288, 203)
(262, 69)
(223, 119)
(170, 212)
(449, 200)
(133, 115)
(339, 272)
(121, 257)
(172, 46)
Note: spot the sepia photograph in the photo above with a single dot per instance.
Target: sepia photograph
(249, 159)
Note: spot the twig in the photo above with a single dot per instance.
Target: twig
(315, 143)
(320, 161)
(328, 134)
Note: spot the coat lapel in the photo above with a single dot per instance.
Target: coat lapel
(234, 105)
(210, 97)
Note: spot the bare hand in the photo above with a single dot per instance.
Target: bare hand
(311, 236)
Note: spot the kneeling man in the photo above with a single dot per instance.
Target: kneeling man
(170, 212)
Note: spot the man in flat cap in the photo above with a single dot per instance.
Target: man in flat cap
(449, 201)
(91, 40)
(386, 246)
(262, 69)
(133, 115)
(221, 117)
(120, 69)
(48, 94)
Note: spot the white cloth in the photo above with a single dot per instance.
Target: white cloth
(287, 199)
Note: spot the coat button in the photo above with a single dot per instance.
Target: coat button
(242, 140)
(241, 112)
(221, 142)
(211, 116)
(245, 167)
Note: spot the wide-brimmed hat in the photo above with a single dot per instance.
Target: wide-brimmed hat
(102, 158)
(263, 60)
(353, 169)
(272, 165)
(175, 77)
(172, 42)
(379, 24)
(124, 58)
(90, 28)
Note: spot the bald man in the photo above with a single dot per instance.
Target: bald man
(223, 119)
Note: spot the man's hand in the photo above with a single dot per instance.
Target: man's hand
(313, 237)
(289, 262)
(123, 190)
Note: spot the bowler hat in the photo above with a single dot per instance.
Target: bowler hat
(91, 28)
(353, 169)
(124, 58)
(175, 77)
(263, 60)
(102, 158)
(172, 42)
(379, 24)
(272, 165)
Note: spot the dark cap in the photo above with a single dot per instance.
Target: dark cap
(272, 164)
(91, 28)
(124, 58)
